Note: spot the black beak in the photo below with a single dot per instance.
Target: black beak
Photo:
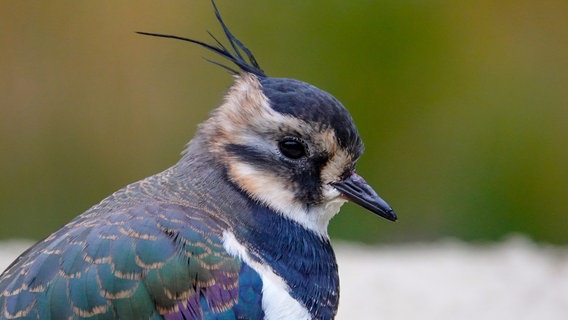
(357, 190)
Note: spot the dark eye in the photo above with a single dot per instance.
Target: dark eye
(292, 148)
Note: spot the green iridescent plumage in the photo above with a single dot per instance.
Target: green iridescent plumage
(134, 263)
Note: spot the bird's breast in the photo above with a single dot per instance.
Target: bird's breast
(277, 303)
(296, 265)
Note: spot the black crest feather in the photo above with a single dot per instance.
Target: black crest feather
(238, 53)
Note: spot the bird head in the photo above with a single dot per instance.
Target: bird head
(285, 143)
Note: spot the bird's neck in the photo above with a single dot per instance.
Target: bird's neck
(301, 257)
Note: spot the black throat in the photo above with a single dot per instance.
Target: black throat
(302, 258)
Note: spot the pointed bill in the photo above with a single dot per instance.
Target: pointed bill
(357, 190)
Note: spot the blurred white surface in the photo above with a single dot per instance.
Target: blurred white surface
(11, 249)
(516, 279)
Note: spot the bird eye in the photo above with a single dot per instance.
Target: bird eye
(292, 148)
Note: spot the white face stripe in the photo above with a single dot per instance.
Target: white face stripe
(276, 300)
(270, 190)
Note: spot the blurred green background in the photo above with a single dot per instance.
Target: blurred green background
(463, 105)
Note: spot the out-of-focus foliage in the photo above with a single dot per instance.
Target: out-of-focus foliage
(463, 105)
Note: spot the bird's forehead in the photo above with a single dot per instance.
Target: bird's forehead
(256, 108)
(303, 100)
(306, 102)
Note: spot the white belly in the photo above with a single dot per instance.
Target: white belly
(276, 300)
